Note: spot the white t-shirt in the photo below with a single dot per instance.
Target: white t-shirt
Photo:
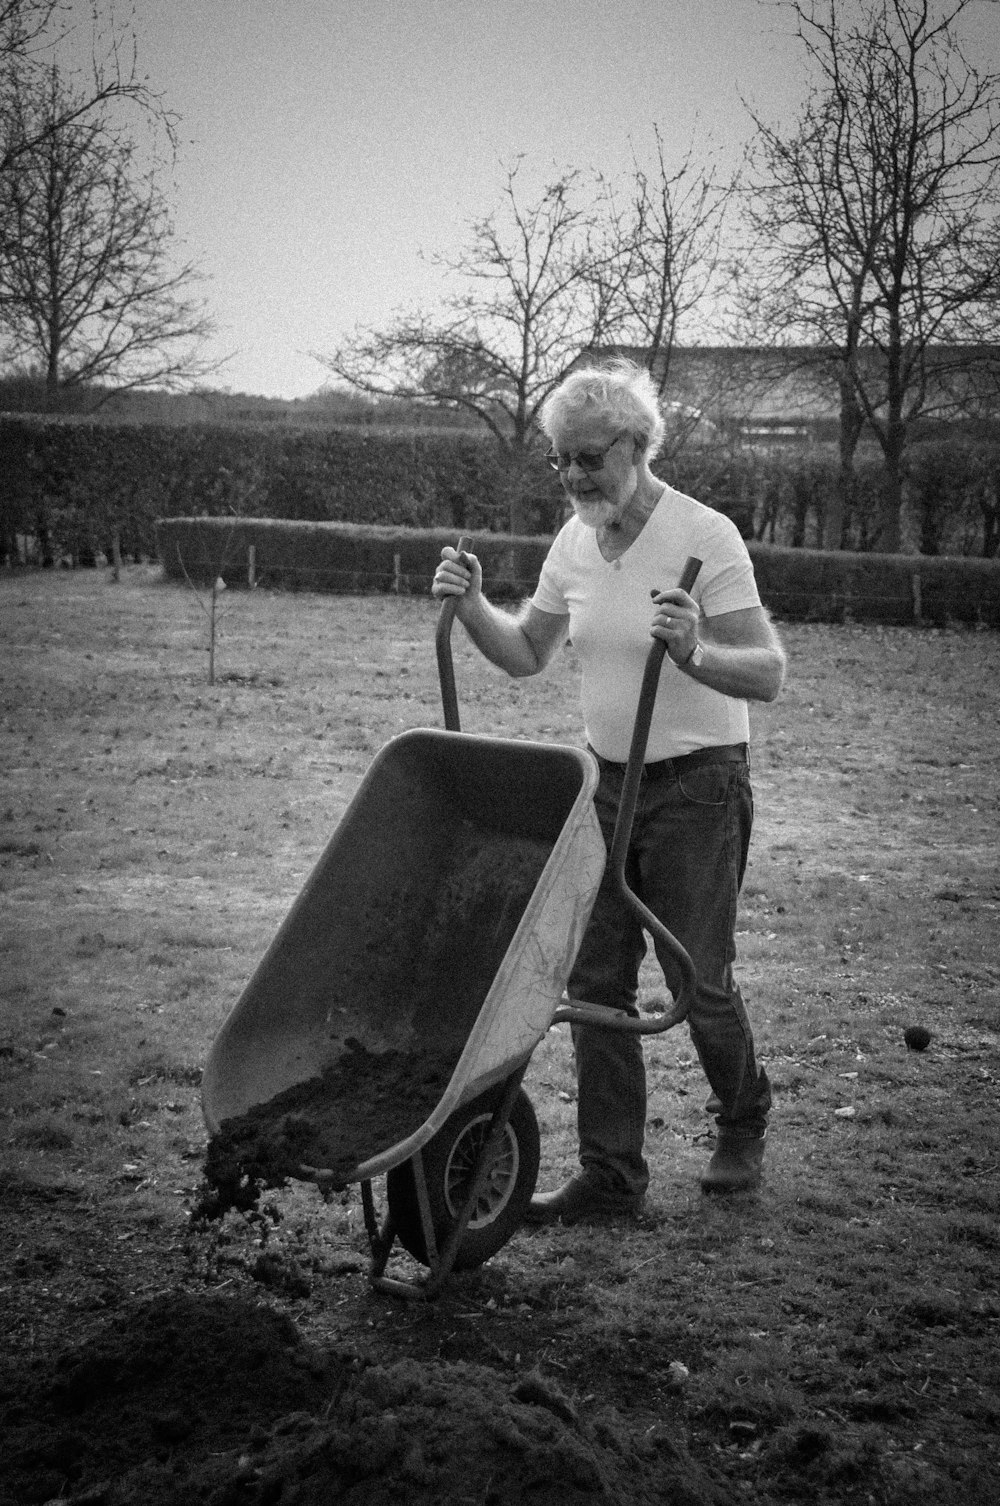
(611, 612)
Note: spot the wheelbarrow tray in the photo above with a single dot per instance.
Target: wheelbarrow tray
(425, 956)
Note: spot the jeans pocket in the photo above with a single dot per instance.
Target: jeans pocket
(705, 784)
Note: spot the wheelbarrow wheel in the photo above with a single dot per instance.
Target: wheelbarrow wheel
(449, 1166)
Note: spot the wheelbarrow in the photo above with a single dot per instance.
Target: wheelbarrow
(387, 1029)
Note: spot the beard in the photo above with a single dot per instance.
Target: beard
(596, 510)
(593, 512)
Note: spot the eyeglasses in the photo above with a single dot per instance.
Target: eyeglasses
(587, 460)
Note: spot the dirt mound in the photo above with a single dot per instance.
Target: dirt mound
(204, 1398)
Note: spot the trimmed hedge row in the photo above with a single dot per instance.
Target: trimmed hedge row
(796, 584)
(811, 585)
(74, 484)
(341, 557)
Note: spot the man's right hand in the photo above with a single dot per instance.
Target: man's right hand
(459, 574)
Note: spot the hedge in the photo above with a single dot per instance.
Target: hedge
(795, 584)
(343, 557)
(815, 586)
(75, 486)
(75, 483)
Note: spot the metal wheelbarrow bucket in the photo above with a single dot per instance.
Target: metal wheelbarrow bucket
(387, 1029)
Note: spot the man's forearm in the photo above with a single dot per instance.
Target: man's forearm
(746, 673)
(498, 636)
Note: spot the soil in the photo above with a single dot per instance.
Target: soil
(362, 1105)
(832, 1339)
(204, 1397)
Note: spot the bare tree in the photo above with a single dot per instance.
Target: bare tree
(806, 280)
(31, 31)
(877, 220)
(526, 305)
(87, 290)
(664, 271)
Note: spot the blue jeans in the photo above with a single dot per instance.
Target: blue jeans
(686, 861)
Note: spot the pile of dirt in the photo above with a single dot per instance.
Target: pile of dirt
(206, 1398)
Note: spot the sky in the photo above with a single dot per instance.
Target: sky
(330, 149)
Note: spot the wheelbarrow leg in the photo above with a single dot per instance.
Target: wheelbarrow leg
(380, 1239)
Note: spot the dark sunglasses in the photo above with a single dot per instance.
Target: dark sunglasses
(587, 460)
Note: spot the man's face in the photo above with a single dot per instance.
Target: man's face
(600, 492)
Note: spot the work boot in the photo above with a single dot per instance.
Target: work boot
(584, 1199)
(736, 1165)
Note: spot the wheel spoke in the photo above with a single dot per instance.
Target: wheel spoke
(500, 1179)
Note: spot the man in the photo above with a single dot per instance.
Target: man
(606, 584)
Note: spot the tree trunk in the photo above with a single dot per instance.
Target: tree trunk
(524, 476)
(842, 501)
(52, 394)
(990, 510)
(52, 368)
(802, 496)
(519, 511)
(891, 499)
(894, 436)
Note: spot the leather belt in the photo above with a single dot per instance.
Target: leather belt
(667, 768)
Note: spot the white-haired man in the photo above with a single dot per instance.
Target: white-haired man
(605, 584)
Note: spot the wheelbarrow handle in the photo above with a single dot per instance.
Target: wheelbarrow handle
(576, 1012)
(446, 665)
(626, 812)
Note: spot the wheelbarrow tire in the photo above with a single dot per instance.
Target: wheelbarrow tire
(449, 1163)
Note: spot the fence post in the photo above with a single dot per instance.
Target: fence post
(918, 613)
(252, 566)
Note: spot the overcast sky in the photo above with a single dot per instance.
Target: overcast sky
(327, 144)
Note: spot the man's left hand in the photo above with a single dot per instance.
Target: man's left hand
(676, 622)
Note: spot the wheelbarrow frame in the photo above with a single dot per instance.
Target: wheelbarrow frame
(441, 1257)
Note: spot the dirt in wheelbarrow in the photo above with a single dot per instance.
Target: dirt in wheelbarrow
(367, 1101)
(361, 1105)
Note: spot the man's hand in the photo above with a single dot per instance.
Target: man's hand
(676, 621)
(459, 574)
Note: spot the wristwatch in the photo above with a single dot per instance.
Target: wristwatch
(693, 659)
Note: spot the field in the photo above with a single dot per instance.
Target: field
(834, 1338)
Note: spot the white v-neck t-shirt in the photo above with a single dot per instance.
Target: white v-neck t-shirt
(611, 612)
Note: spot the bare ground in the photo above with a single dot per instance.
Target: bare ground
(832, 1339)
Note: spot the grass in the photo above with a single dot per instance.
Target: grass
(838, 1332)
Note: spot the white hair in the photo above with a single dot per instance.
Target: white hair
(621, 394)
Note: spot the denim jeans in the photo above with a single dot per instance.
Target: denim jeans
(685, 861)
